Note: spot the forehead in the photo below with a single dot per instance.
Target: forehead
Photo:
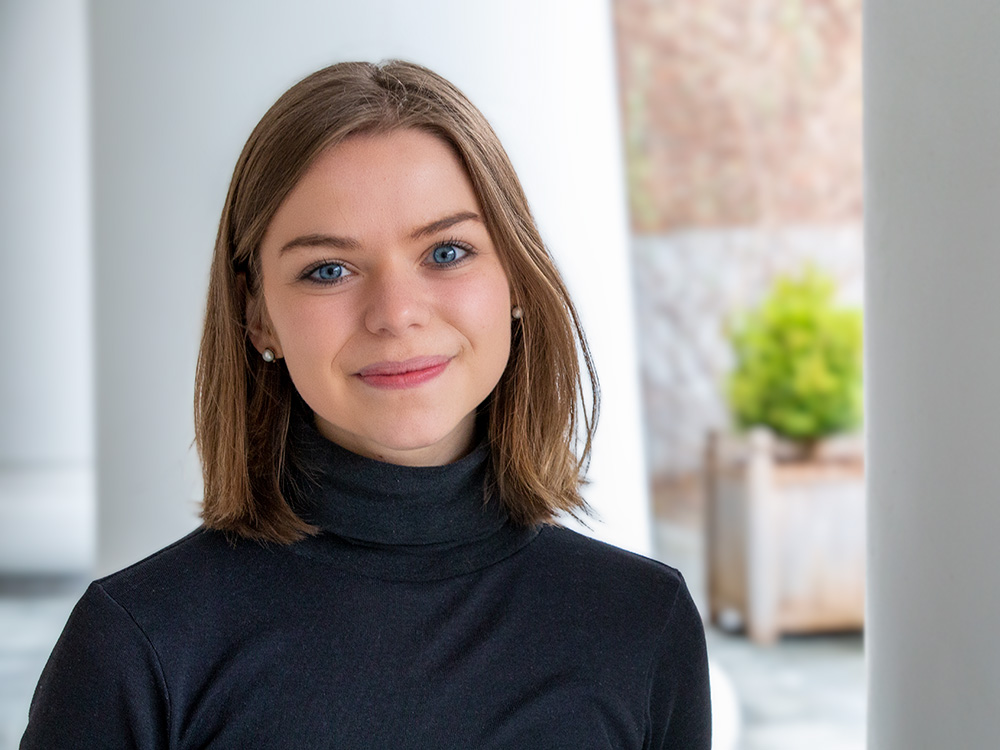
(378, 183)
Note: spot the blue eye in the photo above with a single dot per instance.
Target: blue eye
(444, 254)
(327, 272)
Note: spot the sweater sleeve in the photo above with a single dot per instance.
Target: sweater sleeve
(680, 708)
(102, 686)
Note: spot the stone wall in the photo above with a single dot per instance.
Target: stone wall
(687, 285)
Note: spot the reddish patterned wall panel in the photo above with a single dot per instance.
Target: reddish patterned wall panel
(741, 112)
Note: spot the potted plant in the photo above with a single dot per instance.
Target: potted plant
(785, 511)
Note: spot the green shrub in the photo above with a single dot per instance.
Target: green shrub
(798, 361)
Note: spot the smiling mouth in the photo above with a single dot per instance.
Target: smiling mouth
(408, 373)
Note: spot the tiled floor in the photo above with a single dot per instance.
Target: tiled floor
(802, 694)
(805, 693)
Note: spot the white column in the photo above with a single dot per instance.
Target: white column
(932, 133)
(46, 445)
(178, 87)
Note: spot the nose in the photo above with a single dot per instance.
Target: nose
(396, 302)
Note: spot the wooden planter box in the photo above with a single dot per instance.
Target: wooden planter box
(785, 539)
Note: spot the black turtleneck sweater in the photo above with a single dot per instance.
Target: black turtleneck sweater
(418, 618)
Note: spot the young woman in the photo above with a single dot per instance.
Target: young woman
(387, 410)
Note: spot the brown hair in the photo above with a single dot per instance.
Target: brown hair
(538, 413)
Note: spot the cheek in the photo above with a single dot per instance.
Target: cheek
(486, 309)
(304, 329)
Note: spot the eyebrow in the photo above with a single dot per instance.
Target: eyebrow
(349, 243)
(321, 240)
(441, 224)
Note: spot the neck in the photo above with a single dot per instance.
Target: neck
(399, 522)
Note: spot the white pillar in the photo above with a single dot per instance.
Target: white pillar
(178, 87)
(932, 134)
(46, 445)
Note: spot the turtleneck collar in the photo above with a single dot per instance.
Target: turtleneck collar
(399, 522)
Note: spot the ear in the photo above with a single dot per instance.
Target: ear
(259, 327)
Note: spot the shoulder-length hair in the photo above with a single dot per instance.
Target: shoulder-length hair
(540, 424)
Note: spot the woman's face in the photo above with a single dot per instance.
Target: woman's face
(385, 295)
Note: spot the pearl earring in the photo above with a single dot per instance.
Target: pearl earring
(516, 312)
(268, 355)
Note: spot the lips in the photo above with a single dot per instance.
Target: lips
(407, 373)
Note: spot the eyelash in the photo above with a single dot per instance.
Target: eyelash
(307, 275)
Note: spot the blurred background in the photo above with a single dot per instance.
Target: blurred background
(696, 170)
(741, 127)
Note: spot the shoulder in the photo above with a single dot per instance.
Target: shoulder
(612, 589)
(202, 558)
(106, 678)
(103, 682)
(640, 613)
(565, 552)
(206, 576)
